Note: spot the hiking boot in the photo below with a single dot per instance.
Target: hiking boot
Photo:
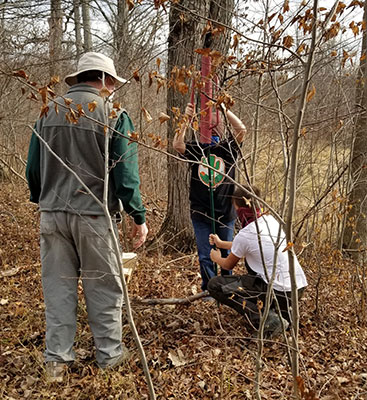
(274, 325)
(55, 371)
(124, 357)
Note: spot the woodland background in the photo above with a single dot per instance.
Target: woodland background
(294, 71)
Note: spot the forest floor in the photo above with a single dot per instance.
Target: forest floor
(194, 351)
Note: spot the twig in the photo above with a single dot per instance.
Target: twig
(184, 300)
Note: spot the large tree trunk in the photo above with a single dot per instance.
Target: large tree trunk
(86, 26)
(186, 36)
(355, 236)
(78, 29)
(55, 26)
(121, 37)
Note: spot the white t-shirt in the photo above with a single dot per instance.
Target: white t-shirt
(246, 244)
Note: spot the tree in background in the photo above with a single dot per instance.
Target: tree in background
(55, 24)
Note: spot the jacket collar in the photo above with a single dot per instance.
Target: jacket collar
(84, 88)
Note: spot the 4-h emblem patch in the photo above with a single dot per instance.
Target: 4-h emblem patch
(218, 164)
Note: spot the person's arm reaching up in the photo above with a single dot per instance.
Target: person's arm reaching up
(238, 126)
(179, 139)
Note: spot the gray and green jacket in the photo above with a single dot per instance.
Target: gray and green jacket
(81, 147)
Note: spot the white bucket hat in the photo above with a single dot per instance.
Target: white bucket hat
(94, 61)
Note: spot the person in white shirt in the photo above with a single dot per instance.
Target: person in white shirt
(269, 262)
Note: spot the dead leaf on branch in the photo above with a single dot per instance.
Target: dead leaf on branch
(210, 103)
(340, 8)
(332, 31)
(176, 111)
(92, 106)
(54, 80)
(68, 101)
(113, 114)
(43, 93)
(182, 87)
(271, 17)
(151, 75)
(32, 96)
(288, 41)
(51, 92)
(71, 116)
(134, 136)
(80, 110)
(163, 117)
(354, 28)
(355, 3)
(104, 92)
(310, 94)
(160, 83)
(236, 42)
(20, 74)
(207, 28)
(301, 48)
(147, 116)
(195, 125)
(345, 57)
(130, 4)
(117, 106)
(288, 247)
(44, 110)
(286, 6)
(203, 52)
(136, 76)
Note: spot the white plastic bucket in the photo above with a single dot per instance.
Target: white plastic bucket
(129, 263)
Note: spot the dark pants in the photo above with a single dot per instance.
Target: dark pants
(243, 292)
(203, 228)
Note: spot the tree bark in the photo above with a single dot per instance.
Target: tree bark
(78, 29)
(55, 27)
(121, 37)
(86, 26)
(355, 235)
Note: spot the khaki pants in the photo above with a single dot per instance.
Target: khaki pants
(73, 247)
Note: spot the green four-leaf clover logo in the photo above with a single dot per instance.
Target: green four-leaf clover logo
(215, 162)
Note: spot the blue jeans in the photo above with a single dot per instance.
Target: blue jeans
(203, 228)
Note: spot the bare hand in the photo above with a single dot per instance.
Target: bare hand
(215, 255)
(190, 110)
(214, 240)
(139, 232)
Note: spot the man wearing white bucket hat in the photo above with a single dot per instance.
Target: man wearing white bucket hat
(75, 238)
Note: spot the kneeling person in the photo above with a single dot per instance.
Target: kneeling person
(242, 292)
